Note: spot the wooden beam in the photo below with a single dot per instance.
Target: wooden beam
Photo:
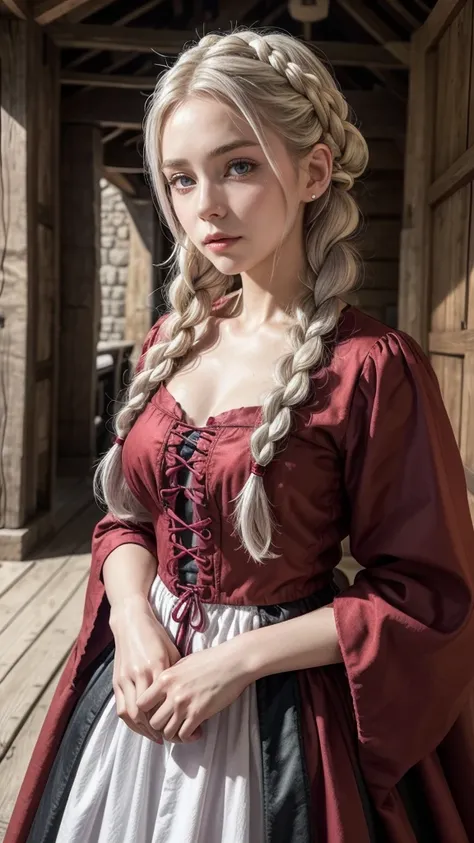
(108, 80)
(120, 181)
(121, 21)
(87, 8)
(168, 41)
(376, 27)
(403, 13)
(172, 41)
(46, 11)
(20, 8)
(451, 342)
(358, 55)
(413, 297)
(122, 159)
(439, 20)
(460, 172)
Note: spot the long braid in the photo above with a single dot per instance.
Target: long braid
(191, 302)
(318, 312)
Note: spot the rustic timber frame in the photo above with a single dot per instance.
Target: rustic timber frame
(94, 64)
(436, 293)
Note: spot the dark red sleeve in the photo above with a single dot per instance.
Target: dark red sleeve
(406, 626)
(110, 532)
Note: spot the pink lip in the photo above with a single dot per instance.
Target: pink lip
(221, 244)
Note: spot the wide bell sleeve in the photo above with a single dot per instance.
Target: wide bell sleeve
(406, 625)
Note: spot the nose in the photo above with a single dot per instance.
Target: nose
(211, 202)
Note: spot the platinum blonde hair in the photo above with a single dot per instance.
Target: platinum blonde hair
(274, 81)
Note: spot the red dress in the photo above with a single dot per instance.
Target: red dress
(382, 744)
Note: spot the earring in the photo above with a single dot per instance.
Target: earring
(313, 196)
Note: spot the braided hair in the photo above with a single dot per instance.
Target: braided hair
(274, 80)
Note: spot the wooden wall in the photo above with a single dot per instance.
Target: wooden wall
(379, 195)
(437, 278)
(29, 91)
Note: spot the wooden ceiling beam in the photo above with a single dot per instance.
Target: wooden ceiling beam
(377, 28)
(88, 7)
(358, 55)
(20, 8)
(168, 41)
(172, 41)
(47, 11)
(379, 114)
(402, 12)
(108, 80)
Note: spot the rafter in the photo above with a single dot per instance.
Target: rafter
(89, 7)
(20, 8)
(377, 28)
(171, 41)
(107, 80)
(121, 21)
(404, 13)
(168, 41)
(46, 11)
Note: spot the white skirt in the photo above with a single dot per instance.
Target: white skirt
(128, 789)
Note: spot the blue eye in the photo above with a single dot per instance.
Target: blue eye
(242, 167)
(177, 180)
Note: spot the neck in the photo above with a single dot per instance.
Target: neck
(269, 290)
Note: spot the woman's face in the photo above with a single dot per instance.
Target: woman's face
(222, 185)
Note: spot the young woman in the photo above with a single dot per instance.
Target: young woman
(221, 690)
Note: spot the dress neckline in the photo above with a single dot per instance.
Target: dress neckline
(245, 415)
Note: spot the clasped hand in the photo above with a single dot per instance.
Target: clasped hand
(158, 693)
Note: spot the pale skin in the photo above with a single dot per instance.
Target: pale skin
(235, 193)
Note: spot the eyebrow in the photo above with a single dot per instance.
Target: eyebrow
(214, 153)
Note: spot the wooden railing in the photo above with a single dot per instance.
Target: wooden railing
(113, 374)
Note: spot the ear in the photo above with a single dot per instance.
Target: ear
(317, 172)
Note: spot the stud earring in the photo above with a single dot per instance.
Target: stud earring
(313, 196)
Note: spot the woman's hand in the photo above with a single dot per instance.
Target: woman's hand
(143, 649)
(194, 689)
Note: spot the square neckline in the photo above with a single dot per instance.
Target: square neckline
(217, 419)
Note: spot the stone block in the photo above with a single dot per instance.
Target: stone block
(106, 241)
(118, 257)
(108, 275)
(117, 218)
(122, 276)
(123, 232)
(117, 308)
(116, 293)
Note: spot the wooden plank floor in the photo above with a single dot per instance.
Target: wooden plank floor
(41, 603)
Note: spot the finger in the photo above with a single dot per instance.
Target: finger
(133, 717)
(122, 710)
(151, 697)
(189, 731)
(170, 730)
(141, 685)
(161, 716)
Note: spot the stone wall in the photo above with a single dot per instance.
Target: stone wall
(114, 240)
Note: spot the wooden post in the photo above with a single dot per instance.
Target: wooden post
(81, 163)
(139, 297)
(29, 93)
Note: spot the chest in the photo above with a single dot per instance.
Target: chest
(227, 373)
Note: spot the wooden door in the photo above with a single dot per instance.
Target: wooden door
(436, 295)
